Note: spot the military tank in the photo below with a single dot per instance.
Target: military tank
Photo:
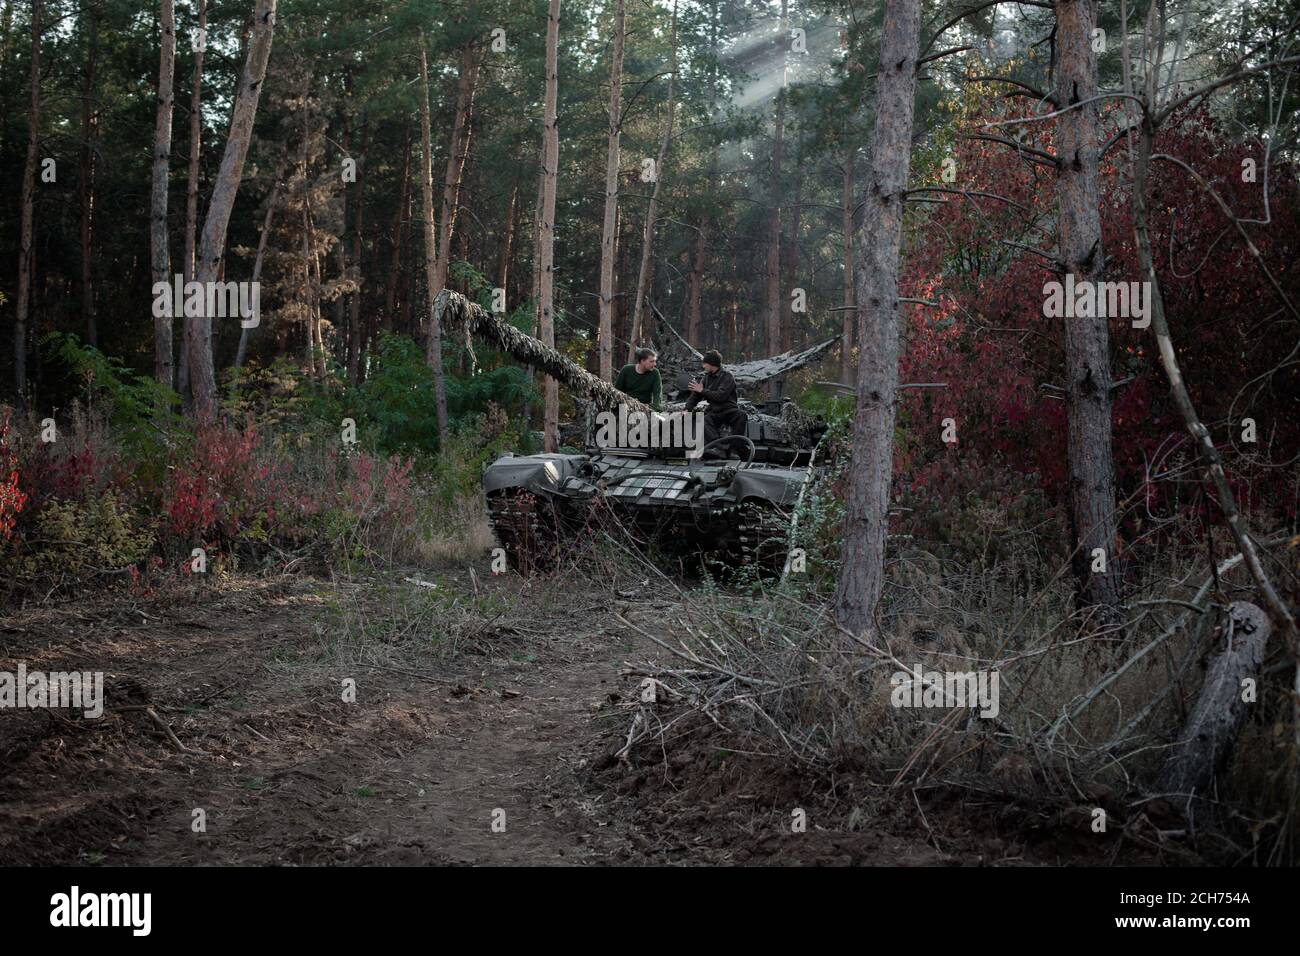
(726, 504)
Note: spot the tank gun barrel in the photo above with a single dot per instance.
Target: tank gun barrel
(459, 313)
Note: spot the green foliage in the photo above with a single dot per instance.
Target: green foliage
(831, 404)
(394, 406)
(139, 407)
(99, 534)
(268, 396)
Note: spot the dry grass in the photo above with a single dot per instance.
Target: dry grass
(1086, 714)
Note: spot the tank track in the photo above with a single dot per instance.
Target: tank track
(760, 539)
(525, 527)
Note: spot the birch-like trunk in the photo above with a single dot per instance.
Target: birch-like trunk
(433, 340)
(652, 210)
(196, 143)
(159, 254)
(457, 152)
(866, 525)
(212, 243)
(1087, 342)
(605, 332)
(772, 268)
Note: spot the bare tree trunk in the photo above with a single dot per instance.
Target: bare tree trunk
(241, 352)
(341, 330)
(772, 269)
(1208, 737)
(457, 152)
(433, 349)
(862, 556)
(213, 241)
(159, 255)
(605, 331)
(546, 225)
(507, 237)
(618, 315)
(309, 288)
(6, 30)
(26, 256)
(847, 338)
(791, 263)
(196, 143)
(1279, 612)
(399, 220)
(1087, 343)
(355, 332)
(695, 284)
(86, 184)
(652, 210)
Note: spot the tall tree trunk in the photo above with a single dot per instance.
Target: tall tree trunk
(457, 152)
(507, 237)
(355, 332)
(213, 241)
(245, 332)
(846, 212)
(433, 350)
(862, 561)
(26, 255)
(546, 227)
(605, 331)
(6, 33)
(341, 330)
(159, 254)
(399, 223)
(652, 209)
(695, 285)
(196, 143)
(772, 269)
(86, 184)
(619, 317)
(1087, 345)
(309, 286)
(791, 263)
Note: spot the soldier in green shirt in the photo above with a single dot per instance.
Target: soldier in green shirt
(642, 380)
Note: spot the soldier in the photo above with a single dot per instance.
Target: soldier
(642, 380)
(717, 388)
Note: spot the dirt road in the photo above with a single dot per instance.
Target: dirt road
(474, 757)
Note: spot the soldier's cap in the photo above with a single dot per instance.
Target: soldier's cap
(712, 357)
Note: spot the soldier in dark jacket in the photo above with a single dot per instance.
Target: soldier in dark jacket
(717, 388)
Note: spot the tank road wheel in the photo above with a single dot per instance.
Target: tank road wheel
(761, 533)
(526, 527)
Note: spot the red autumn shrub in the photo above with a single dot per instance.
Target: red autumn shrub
(12, 497)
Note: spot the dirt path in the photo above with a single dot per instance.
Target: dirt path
(476, 761)
(485, 717)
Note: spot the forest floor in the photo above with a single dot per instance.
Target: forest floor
(493, 745)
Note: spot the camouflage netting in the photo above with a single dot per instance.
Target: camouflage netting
(679, 360)
(798, 427)
(591, 394)
(459, 314)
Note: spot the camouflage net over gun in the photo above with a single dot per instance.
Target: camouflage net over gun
(457, 312)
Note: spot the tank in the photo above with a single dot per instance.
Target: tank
(727, 507)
